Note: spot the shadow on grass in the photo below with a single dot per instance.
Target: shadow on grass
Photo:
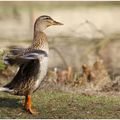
(9, 102)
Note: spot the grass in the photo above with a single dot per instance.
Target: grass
(2, 66)
(61, 105)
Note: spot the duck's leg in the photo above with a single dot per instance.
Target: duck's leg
(28, 104)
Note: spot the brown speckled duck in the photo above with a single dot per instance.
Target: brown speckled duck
(32, 62)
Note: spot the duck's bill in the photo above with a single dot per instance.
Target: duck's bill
(57, 23)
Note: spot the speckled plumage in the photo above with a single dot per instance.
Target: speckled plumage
(32, 62)
(30, 71)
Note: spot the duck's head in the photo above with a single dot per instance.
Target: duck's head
(43, 22)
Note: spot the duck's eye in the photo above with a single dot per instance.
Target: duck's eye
(47, 18)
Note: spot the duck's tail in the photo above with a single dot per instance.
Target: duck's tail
(4, 89)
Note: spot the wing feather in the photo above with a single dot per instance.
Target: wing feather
(18, 59)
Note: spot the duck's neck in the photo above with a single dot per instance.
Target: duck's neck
(40, 41)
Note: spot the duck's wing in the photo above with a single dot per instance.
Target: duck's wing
(9, 57)
(18, 59)
(27, 73)
(16, 50)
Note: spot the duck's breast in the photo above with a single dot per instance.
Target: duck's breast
(42, 71)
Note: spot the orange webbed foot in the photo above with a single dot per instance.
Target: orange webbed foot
(28, 105)
(31, 111)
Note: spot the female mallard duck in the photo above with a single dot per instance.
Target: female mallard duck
(33, 63)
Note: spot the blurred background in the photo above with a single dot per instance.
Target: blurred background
(91, 30)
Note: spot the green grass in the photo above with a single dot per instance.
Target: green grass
(2, 66)
(61, 105)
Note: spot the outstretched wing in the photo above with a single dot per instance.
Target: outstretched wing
(27, 73)
(18, 59)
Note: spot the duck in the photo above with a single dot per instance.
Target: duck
(32, 63)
